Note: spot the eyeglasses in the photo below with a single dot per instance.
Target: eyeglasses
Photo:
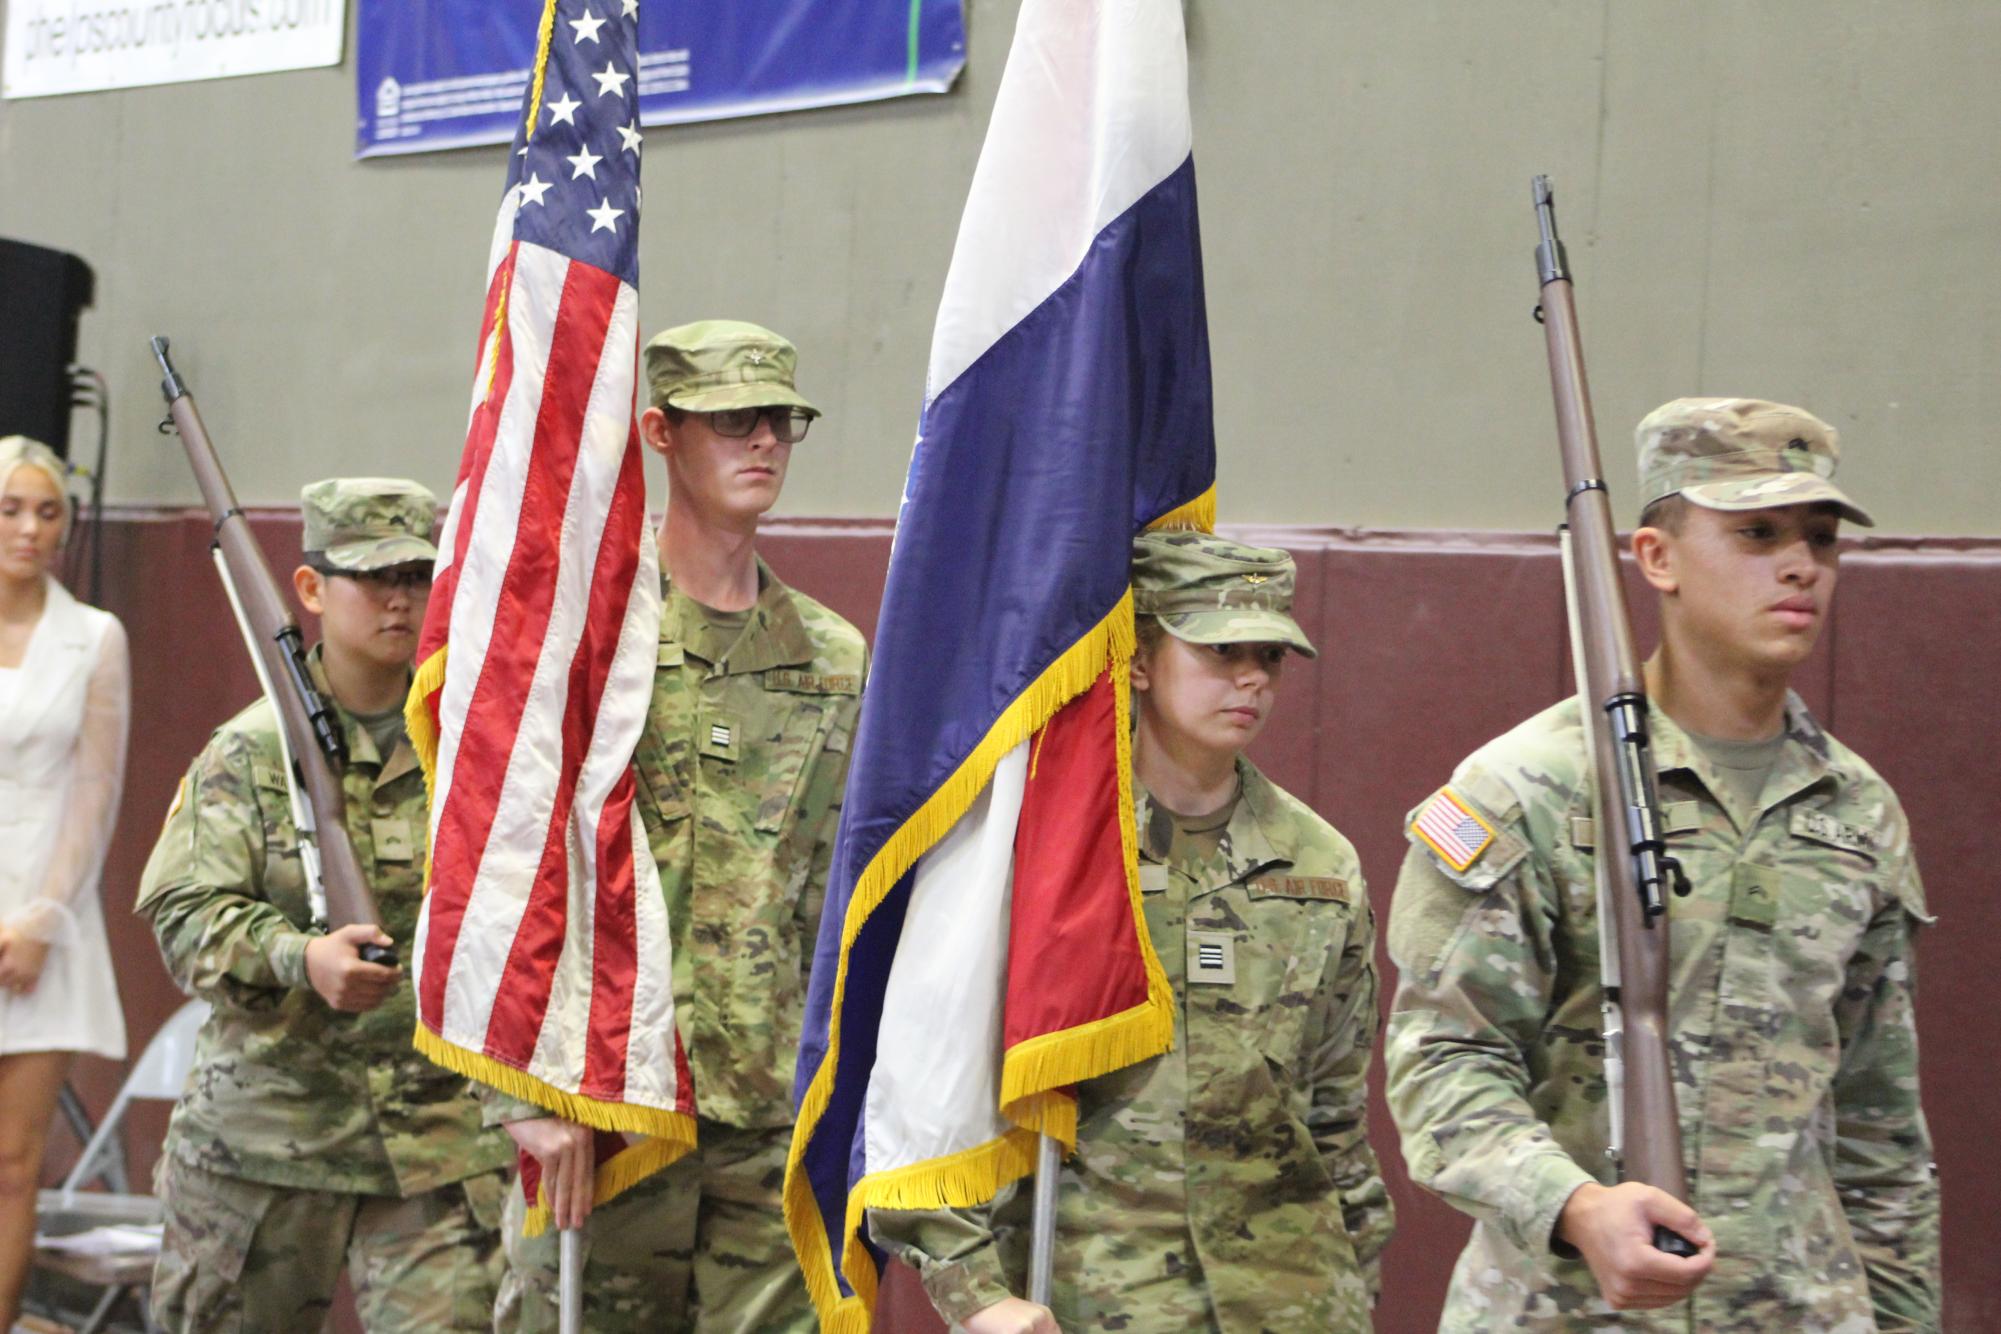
(407, 578)
(788, 425)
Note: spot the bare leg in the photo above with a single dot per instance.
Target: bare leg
(29, 1085)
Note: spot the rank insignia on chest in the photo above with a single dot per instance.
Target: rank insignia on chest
(394, 840)
(1754, 896)
(719, 741)
(1212, 957)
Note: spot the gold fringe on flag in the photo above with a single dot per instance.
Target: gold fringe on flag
(422, 728)
(1198, 514)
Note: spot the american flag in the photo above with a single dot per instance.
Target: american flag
(542, 957)
(1454, 832)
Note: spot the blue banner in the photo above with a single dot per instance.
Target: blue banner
(449, 73)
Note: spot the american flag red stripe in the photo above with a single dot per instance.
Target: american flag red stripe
(542, 961)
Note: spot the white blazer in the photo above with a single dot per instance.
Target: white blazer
(57, 808)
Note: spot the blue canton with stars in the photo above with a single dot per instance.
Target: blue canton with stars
(576, 177)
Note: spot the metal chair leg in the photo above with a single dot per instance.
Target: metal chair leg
(102, 1313)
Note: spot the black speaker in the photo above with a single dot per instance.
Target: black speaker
(42, 292)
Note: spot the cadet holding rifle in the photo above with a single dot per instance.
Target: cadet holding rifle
(1787, 1029)
(312, 1137)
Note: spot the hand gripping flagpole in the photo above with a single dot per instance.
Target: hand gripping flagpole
(1042, 1229)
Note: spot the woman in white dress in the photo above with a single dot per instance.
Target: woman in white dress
(64, 698)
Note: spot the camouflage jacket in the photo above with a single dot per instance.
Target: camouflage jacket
(1794, 1043)
(741, 768)
(1228, 1184)
(286, 1090)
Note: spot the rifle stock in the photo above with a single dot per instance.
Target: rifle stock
(314, 743)
(1631, 854)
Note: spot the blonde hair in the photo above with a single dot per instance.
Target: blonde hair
(18, 451)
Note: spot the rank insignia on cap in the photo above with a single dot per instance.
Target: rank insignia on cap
(1452, 830)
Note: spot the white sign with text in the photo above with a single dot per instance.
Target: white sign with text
(78, 46)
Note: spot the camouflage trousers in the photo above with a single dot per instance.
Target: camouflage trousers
(1133, 1279)
(700, 1246)
(243, 1256)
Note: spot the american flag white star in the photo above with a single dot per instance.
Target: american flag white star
(631, 8)
(630, 135)
(610, 81)
(563, 111)
(587, 28)
(533, 189)
(585, 162)
(604, 216)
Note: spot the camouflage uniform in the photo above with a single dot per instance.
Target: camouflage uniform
(741, 768)
(307, 1136)
(1227, 1184)
(1793, 1040)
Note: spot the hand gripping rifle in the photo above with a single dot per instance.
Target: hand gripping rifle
(1631, 856)
(309, 731)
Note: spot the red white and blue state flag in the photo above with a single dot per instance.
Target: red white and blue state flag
(983, 945)
(542, 955)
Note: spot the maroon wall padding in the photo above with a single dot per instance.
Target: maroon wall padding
(1430, 644)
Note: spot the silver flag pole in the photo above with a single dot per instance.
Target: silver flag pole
(1042, 1231)
(570, 1281)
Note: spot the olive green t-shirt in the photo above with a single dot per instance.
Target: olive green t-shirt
(1743, 766)
(385, 729)
(1196, 837)
(720, 630)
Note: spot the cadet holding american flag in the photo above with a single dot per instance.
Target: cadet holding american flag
(755, 689)
(639, 748)
(542, 963)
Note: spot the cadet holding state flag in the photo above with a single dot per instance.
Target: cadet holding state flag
(987, 941)
(1228, 1184)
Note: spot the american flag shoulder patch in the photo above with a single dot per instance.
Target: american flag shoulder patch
(1452, 829)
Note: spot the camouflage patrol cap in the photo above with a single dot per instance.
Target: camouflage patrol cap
(1740, 454)
(711, 365)
(1209, 590)
(368, 523)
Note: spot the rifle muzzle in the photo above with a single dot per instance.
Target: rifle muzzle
(171, 386)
